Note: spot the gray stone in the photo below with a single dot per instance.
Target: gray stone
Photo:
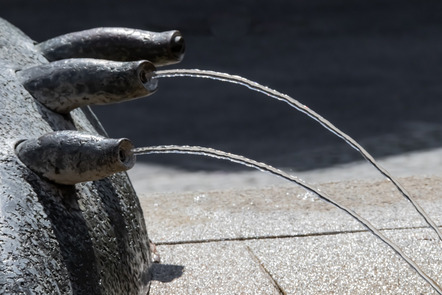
(284, 240)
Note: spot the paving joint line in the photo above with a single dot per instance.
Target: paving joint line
(274, 237)
(275, 283)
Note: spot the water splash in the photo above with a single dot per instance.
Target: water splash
(312, 114)
(203, 151)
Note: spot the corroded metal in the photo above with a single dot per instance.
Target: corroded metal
(67, 84)
(84, 238)
(120, 44)
(70, 157)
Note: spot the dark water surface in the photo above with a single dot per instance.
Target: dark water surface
(372, 68)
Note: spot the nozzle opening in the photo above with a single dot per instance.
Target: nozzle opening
(177, 45)
(122, 155)
(125, 153)
(146, 74)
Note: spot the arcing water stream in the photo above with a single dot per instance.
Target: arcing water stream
(196, 150)
(267, 168)
(304, 109)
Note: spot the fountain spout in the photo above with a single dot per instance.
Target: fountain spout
(70, 157)
(67, 84)
(119, 44)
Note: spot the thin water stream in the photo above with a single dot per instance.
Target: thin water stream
(195, 150)
(195, 73)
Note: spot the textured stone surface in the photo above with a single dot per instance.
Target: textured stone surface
(88, 238)
(282, 239)
(285, 210)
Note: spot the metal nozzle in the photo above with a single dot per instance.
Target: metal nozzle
(67, 84)
(70, 157)
(119, 44)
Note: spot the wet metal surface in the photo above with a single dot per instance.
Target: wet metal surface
(121, 44)
(68, 84)
(70, 157)
(88, 238)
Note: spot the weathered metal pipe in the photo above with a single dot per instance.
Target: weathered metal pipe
(119, 44)
(70, 157)
(67, 84)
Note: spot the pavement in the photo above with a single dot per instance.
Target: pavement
(276, 238)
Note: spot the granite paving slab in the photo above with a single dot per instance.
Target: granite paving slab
(281, 240)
